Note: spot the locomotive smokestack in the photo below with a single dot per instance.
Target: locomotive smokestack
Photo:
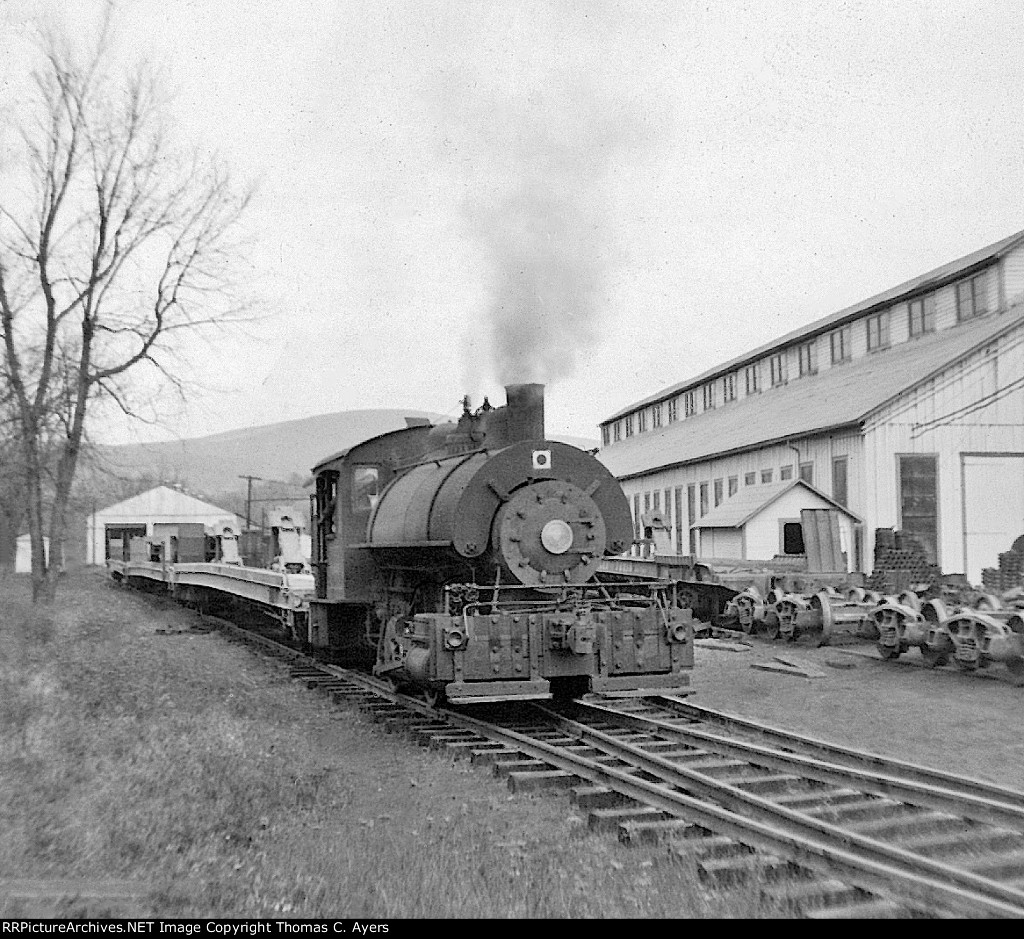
(525, 411)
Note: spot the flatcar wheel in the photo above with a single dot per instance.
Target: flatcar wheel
(770, 626)
(888, 652)
(934, 659)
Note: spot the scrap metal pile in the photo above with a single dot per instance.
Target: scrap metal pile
(969, 628)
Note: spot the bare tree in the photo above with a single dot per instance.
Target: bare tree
(111, 248)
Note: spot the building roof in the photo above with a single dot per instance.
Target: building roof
(165, 502)
(840, 396)
(749, 501)
(923, 283)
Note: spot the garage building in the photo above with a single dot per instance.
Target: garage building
(156, 512)
(907, 409)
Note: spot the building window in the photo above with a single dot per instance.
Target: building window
(703, 499)
(719, 492)
(786, 472)
(709, 396)
(971, 297)
(668, 507)
(606, 435)
(839, 490)
(629, 426)
(673, 410)
(641, 421)
(647, 503)
(689, 404)
(807, 473)
(766, 476)
(617, 430)
(778, 369)
(841, 342)
(751, 373)
(808, 358)
(750, 479)
(678, 501)
(792, 538)
(734, 485)
(917, 482)
(636, 516)
(729, 388)
(921, 315)
(656, 416)
(878, 331)
(691, 514)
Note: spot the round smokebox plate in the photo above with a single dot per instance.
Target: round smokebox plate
(550, 532)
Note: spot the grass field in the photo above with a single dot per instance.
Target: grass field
(200, 782)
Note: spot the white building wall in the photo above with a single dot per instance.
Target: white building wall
(819, 450)
(964, 410)
(763, 533)
(23, 553)
(721, 543)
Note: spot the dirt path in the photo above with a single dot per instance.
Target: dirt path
(942, 718)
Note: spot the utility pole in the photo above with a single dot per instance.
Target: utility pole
(248, 498)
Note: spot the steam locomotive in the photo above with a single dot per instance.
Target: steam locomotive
(463, 559)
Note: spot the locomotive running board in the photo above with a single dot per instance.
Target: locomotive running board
(483, 692)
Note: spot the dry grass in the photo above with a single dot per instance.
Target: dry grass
(187, 766)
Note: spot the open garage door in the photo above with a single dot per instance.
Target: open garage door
(993, 509)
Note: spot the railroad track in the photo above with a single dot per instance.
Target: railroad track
(833, 832)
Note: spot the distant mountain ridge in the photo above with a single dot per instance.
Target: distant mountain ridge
(286, 451)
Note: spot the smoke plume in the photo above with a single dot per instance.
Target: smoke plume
(543, 219)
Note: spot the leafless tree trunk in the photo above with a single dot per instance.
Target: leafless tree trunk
(111, 247)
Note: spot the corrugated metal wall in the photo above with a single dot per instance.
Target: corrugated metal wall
(819, 450)
(966, 409)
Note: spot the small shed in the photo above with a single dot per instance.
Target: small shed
(23, 553)
(154, 512)
(764, 521)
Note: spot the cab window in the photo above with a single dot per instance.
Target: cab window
(364, 488)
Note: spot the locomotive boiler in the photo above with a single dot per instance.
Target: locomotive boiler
(462, 558)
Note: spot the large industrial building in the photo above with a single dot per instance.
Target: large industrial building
(906, 410)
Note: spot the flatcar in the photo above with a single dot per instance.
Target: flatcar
(462, 558)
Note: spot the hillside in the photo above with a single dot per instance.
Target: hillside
(286, 451)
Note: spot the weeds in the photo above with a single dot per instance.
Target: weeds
(185, 764)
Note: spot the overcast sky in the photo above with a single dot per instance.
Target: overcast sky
(604, 196)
